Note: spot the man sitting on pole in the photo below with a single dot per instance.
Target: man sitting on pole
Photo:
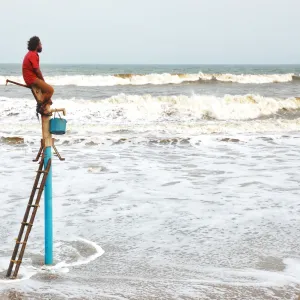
(33, 76)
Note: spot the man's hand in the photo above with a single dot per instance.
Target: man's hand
(39, 74)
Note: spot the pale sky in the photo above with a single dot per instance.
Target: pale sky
(153, 32)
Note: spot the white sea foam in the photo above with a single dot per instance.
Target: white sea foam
(257, 78)
(292, 267)
(245, 277)
(62, 265)
(133, 108)
(253, 277)
(183, 115)
(24, 274)
(155, 79)
(27, 271)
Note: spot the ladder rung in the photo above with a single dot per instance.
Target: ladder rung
(33, 205)
(17, 242)
(27, 224)
(16, 261)
(38, 171)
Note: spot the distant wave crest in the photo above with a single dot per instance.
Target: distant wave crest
(158, 79)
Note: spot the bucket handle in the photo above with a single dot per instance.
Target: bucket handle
(57, 112)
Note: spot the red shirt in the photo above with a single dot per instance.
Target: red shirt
(31, 61)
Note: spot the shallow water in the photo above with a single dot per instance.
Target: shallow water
(175, 221)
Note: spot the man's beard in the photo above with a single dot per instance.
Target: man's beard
(39, 50)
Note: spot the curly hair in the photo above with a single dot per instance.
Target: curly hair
(33, 43)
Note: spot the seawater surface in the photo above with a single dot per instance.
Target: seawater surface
(180, 182)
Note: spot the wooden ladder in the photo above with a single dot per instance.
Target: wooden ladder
(31, 208)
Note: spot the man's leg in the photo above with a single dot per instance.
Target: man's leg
(46, 89)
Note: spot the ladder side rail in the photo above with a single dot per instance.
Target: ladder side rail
(19, 238)
(29, 226)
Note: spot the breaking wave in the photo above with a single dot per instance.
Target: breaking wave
(148, 108)
(158, 79)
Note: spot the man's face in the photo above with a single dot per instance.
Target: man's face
(39, 48)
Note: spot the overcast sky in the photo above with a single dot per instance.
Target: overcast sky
(153, 31)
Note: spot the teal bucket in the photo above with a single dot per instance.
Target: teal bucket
(58, 126)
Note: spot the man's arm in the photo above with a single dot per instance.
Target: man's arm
(39, 74)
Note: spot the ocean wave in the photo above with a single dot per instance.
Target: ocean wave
(295, 77)
(157, 79)
(254, 79)
(123, 108)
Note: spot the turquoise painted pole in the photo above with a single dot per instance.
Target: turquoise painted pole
(48, 211)
(47, 144)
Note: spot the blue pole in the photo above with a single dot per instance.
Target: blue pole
(48, 211)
